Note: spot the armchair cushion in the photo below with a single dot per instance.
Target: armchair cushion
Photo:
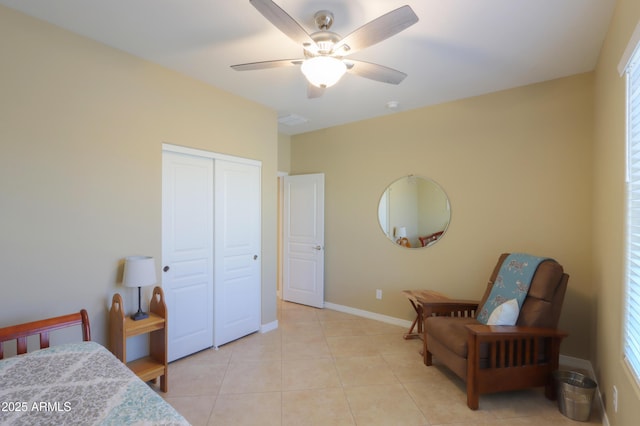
(543, 304)
(548, 272)
(450, 332)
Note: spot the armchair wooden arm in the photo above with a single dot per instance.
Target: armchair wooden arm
(429, 303)
(508, 330)
(532, 352)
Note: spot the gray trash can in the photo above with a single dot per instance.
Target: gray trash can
(575, 394)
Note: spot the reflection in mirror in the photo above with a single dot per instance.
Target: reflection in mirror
(414, 212)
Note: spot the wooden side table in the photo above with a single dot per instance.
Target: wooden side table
(121, 327)
(417, 298)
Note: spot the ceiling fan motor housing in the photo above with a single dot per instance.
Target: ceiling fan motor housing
(325, 40)
(323, 19)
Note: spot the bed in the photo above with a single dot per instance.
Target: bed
(76, 383)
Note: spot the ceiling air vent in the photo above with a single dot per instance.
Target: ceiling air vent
(292, 120)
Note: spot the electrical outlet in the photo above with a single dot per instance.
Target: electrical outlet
(614, 397)
(379, 294)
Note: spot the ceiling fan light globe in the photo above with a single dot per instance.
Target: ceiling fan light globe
(323, 71)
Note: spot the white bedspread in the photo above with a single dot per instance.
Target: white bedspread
(78, 384)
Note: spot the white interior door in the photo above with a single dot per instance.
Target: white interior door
(187, 251)
(303, 239)
(237, 291)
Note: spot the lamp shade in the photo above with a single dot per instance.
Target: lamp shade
(323, 71)
(139, 271)
(402, 232)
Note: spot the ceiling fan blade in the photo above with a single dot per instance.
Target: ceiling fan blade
(267, 64)
(377, 30)
(283, 21)
(375, 72)
(314, 91)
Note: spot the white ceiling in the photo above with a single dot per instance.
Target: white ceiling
(458, 48)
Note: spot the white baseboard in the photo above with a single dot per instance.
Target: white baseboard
(265, 328)
(577, 364)
(367, 314)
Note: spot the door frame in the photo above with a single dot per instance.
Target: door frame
(209, 154)
(280, 262)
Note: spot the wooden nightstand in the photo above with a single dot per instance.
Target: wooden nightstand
(122, 327)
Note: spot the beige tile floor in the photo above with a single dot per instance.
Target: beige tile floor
(323, 367)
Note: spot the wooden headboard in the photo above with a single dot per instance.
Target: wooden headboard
(20, 332)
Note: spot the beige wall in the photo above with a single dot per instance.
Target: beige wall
(81, 130)
(517, 168)
(609, 213)
(284, 153)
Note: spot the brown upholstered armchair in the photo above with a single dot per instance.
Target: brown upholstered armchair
(500, 358)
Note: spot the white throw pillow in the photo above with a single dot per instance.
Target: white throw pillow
(505, 314)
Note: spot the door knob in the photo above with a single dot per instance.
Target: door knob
(166, 268)
(255, 257)
(318, 247)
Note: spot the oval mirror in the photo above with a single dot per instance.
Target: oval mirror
(414, 212)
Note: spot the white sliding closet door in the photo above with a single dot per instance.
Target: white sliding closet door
(237, 295)
(187, 252)
(210, 248)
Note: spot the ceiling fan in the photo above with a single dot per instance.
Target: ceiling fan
(324, 51)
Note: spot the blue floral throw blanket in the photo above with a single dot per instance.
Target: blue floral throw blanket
(512, 282)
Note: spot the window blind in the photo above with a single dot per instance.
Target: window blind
(632, 311)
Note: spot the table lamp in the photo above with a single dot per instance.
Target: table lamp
(139, 271)
(401, 237)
